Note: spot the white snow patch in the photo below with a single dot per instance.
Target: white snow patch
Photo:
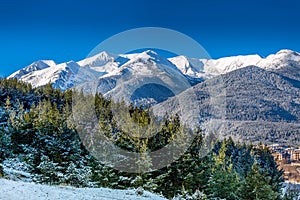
(11, 190)
(14, 169)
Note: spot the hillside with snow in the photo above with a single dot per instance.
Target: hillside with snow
(12, 190)
(42, 147)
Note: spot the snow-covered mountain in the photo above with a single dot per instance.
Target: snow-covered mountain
(208, 68)
(145, 76)
(35, 66)
(63, 76)
(106, 68)
(104, 62)
(267, 92)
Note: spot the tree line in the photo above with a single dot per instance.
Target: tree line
(35, 131)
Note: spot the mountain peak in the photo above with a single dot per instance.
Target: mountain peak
(35, 66)
(151, 52)
(51, 63)
(99, 59)
(148, 54)
(105, 54)
(287, 52)
(151, 55)
(182, 63)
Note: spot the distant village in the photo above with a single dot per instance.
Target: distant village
(288, 159)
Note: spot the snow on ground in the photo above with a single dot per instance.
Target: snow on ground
(290, 185)
(11, 190)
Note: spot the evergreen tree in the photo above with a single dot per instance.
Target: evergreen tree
(257, 186)
(266, 161)
(223, 182)
(49, 172)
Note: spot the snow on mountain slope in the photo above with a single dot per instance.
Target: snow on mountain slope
(145, 61)
(104, 62)
(282, 58)
(225, 65)
(11, 190)
(35, 66)
(97, 60)
(67, 75)
(207, 68)
(190, 66)
(62, 76)
(148, 70)
(70, 74)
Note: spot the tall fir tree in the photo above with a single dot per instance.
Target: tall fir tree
(257, 186)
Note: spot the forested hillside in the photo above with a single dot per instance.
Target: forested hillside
(37, 139)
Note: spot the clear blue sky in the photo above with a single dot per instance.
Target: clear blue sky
(69, 30)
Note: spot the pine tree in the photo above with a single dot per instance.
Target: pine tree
(49, 172)
(266, 161)
(257, 186)
(79, 176)
(223, 182)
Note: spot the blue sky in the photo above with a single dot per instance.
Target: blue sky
(69, 30)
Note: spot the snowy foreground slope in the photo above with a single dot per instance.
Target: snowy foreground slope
(11, 190)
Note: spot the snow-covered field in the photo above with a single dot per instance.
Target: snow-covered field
(12, 190)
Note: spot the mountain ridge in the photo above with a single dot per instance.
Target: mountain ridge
(195, 70)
